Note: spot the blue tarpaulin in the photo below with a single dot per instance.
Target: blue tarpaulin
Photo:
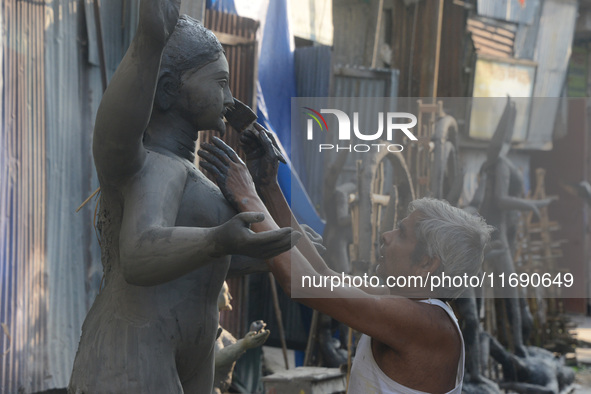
(221, 5)
(275, 88)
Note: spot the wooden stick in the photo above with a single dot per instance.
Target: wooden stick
(279, 319)
(437, 47)
(376, 41)
(7, 333)
(349, 352)
(101, 46)
(311, 338)
(88, 199)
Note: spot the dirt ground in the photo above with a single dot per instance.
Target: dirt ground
(583, 380)
(583, 352)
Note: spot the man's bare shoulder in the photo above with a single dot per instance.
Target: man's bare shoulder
(418, 324)
(432, 344)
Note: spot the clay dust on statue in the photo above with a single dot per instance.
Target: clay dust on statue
(167, 233)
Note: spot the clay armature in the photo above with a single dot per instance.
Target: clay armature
(167, 233)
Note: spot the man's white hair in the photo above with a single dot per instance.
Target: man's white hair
(456, 237)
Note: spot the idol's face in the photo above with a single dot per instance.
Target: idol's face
(204, 95)
(225, 299)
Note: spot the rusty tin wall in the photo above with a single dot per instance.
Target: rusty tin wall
(552, 54)
(509, 10)
(23, 301)
(49, 260)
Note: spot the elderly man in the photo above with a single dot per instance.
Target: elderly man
(411, 343)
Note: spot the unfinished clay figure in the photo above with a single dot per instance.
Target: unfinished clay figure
(498, 198)
(539, 372)
(167, 233)
(228, 350)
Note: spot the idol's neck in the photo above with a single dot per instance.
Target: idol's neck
(172, 133)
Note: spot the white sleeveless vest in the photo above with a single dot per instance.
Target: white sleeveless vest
(368, 378)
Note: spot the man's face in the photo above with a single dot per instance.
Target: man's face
(204, 96)
(397, 248)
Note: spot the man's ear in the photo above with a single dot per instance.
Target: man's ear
(430, 264)
(166, 91)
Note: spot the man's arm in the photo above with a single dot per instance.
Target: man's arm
(126, 106)
(241, 265)
(395, 322)
(275, 203)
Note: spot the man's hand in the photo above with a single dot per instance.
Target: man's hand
(315, 238)
(262, 155)
(235, 237)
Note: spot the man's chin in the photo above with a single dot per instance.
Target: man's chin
(379, 272)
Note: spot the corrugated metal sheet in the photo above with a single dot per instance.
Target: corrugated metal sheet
(553, 51)
(23, 246)
(49, 260)
(509, 10)
(74, 269)
(313, 70)
(313, 67)
(24, 302)
(414, 46)
(346, 82)
(491, 37)
(194, 8)
(526, 36)
(364, 82)
(119, 20)
(361, 82)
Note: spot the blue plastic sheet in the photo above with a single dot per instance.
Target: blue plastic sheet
(276, 88)
(222, 5)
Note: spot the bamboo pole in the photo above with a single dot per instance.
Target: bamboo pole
(376, 41)
(349, 353)
(437, 47)
(279, 319)
(101, 47)
(311, 338)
